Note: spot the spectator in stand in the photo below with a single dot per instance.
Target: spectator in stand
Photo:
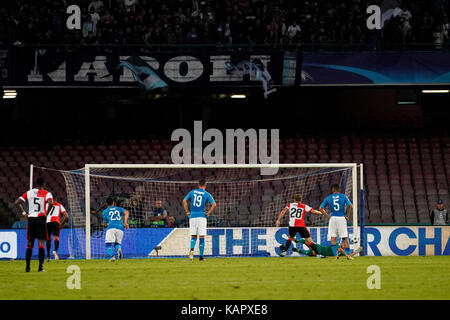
(439, 216)
(95, 6)
(95, 17)
(438, 37)
(88, 26)
(136, 218)
(222, 21)
(446, 28)
(159, 215)
(192, 36)
(171, 223)
(293, 32)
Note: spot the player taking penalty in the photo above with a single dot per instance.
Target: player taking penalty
(197, 216)
(115, 219)
(297, 212)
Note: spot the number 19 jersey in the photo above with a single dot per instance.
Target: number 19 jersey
(198, 198)
(297, 213)
(113, 216)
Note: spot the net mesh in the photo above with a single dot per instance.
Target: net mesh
(243, 222)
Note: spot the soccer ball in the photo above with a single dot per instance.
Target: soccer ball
(354, 238)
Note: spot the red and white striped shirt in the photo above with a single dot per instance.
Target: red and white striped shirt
(55, 213)
(37, 201)
(297, 213)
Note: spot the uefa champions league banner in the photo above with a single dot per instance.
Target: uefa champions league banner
(386, 68)
(221, 242)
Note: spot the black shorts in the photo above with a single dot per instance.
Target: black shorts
(303, 231)
(36, 228)
(52, 229)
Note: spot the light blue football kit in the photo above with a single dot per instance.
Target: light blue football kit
(197, 216)
(337, 226)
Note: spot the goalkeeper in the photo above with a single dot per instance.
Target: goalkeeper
(325, 251)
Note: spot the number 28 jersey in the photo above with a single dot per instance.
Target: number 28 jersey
(113, 216)
(297, 212)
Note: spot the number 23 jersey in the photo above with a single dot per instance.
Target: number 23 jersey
(296, 212)
(113, 216)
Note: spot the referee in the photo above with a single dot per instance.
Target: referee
(40, 201)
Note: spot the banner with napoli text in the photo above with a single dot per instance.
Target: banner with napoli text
(59, 67)
(223, 242)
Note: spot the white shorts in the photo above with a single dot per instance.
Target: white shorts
(197, 227)
(337, 227)
(114, 235)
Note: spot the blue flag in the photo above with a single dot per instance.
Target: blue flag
(146, 77)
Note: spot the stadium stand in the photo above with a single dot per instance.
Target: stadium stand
(405, 174)
(253, 22)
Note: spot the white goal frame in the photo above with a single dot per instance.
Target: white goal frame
(88, 167)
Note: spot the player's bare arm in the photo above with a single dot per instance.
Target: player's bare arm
(125, 223)
(66, 219)
(350, 211)
(185, 206)
(19, 207)
(282, 213)
(324, 212)
(316, 212)
(213, 207)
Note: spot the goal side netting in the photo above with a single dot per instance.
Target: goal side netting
(243, 223)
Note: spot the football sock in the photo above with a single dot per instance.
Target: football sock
(201, 246)
(49, 246)
(193, 241)
(287, 245)
(334, 249)
(109, 249)
(314, 247)
(56, 245)
(41, 256)
(347, 251)
(28, 255)
(118, 246)
(307, 252)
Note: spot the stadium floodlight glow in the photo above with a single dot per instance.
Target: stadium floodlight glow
(238, 96)
(9, 94)
(435, 91)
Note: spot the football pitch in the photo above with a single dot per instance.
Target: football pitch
(302, 278)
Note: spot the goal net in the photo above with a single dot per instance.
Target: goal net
(243, 223)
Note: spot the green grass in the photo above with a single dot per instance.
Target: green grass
(231, 279)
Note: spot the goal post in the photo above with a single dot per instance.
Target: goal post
(96, 170)
(243, 224)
